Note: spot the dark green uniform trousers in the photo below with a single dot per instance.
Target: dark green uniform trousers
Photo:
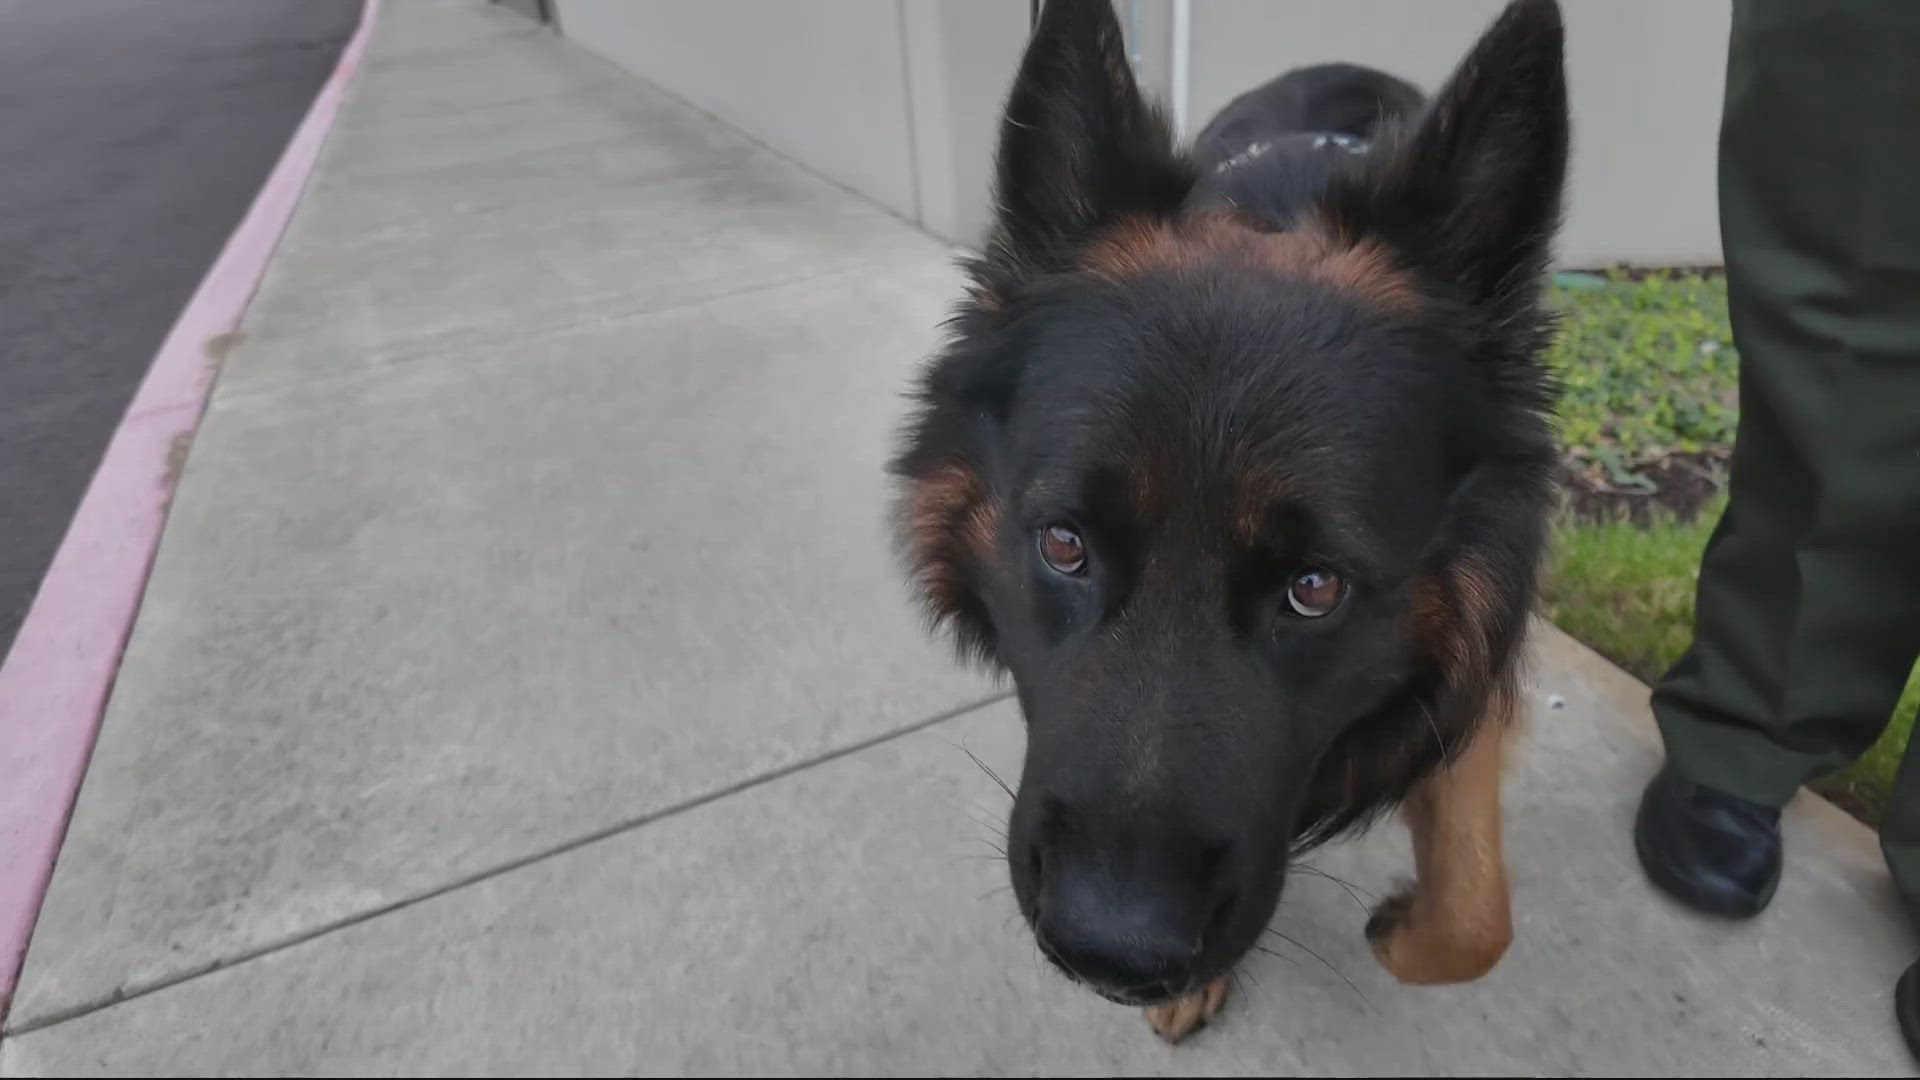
(1808, 617)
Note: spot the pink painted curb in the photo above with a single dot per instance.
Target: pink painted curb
(55, 682)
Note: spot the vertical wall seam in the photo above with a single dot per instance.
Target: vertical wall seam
(915, 182)
(1181, 65)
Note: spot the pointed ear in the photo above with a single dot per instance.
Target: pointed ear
(1471, 197)
(1079, 147)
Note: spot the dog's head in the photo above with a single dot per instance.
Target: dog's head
(1247, 508)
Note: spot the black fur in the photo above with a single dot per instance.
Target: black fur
(1079, 148)
(1187, 733)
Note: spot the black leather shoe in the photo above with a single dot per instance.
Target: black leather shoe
(1712, 851)
(1906, 1007)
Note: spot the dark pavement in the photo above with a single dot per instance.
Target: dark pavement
(133, 136)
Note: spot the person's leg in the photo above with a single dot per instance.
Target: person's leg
(1808, 617)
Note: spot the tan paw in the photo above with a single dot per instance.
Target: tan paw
(1178, 1019)
(1419, 948)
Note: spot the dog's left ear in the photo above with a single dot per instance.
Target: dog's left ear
(1471, 198)
(1079, 148)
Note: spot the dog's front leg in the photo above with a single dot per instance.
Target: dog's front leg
(1455, 923)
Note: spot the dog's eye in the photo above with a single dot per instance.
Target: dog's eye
(1315, 593)
(1062, 549)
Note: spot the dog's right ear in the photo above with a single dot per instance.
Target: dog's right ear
(1471, 197)
(1079, 149)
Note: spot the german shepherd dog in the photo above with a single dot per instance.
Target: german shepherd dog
(1238, 462)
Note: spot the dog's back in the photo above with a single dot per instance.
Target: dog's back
(1270, 151)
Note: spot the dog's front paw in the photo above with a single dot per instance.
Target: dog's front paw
(1420, 947)
(1178, 1019)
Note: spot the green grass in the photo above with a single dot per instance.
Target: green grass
(1626, 589)
(1862, 787)
(1650, 373)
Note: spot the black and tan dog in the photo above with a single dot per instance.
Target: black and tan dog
(1238, 463)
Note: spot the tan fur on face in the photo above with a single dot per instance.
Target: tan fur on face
(1454, 615)
(1257, 492)
(950, 518)
(1362, 269)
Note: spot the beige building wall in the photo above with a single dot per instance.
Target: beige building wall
(822, 81)
(898, 99)
(1645, 78)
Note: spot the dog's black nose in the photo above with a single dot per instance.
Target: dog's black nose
(1133, 923)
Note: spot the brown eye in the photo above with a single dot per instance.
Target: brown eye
(1062, 549)
(1316, 593)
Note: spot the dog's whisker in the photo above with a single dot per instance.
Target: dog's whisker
(1275, 952)
(1323, 960)
(1349, 887)
(1438, 742)
(977, 812)
(987, 819)
(995, 833)
(997, 830)
(988, 814)
(1252, 978)
(995, 891)
(999, 852)
(988, 769)
(1243, 980)
(1066, 966)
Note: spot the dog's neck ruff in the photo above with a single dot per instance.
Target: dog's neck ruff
(1352, 144)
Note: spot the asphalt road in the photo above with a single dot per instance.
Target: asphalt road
(133, 135)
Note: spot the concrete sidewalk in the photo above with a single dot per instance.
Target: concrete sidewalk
(525, 685)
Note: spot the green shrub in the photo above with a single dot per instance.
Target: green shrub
(1648, 371)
